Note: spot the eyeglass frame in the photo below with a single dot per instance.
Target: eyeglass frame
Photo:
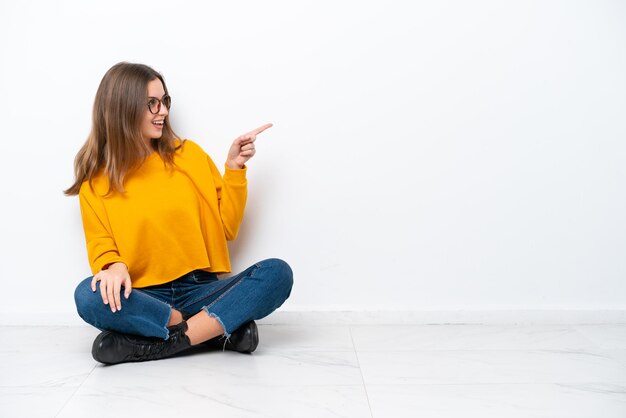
(159, 103)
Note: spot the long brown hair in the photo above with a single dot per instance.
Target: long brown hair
(115, 144)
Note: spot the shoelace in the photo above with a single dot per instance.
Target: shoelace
(153, 350)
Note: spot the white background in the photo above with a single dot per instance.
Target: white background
(425, 156)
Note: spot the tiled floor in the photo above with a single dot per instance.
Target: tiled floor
(343, 371)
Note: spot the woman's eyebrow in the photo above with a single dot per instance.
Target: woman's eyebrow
(154, 97)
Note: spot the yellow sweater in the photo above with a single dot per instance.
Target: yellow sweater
(166, 225)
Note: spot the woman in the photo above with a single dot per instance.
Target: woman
(157, 215)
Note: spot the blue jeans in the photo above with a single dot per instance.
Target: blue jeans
(252, 294)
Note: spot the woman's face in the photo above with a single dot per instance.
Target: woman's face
(152, 124)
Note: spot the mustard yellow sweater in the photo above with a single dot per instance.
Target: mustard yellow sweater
(166, 225)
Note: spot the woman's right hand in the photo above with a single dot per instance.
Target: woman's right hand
(111, 281)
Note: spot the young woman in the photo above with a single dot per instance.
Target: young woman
(157, 214)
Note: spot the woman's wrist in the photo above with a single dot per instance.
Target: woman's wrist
(116, 265)
(233, 165)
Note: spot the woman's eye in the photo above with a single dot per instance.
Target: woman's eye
(152, 102)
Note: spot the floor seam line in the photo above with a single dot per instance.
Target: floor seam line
(358, 362)
(76, 390)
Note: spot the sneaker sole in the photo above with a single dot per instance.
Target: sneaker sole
(254, 331)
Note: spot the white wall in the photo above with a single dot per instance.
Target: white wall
(430, 156)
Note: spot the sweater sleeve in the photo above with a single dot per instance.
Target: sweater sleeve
(101, 247)
(232, 192)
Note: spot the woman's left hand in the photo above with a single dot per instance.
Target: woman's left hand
(243, 148)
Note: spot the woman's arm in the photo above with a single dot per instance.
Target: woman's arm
(104, 258)
(101, 248)
(232, 193)
(232, 189)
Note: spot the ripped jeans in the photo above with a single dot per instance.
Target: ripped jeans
(252, 294)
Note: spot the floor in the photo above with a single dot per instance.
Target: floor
(342, 371)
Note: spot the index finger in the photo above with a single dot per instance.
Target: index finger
(260, 129)
(94, 280)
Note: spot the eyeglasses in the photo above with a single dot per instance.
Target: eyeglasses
(154, 104)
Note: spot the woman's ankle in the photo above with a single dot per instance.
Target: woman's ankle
(202, 327)
(175, 318)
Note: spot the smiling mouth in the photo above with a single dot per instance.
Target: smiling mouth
(158, 123)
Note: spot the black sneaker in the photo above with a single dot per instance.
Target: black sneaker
(244, 339)
(113, 347)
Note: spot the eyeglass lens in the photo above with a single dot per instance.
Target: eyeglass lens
(154, 104)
